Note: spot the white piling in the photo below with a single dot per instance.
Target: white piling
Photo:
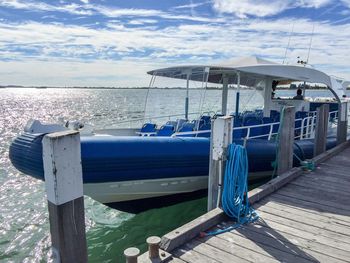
(221, 137)
(64, 188)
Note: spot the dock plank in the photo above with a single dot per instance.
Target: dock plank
(312, 207)
(272, 251)
(313, 214)
(316, 230)
(300, 249)
(307, 218)
(304, 217)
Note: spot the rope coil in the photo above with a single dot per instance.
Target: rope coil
(234, 200)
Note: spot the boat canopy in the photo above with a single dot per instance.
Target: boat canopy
(250, 71)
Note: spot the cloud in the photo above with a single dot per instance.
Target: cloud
(92, 9)
(144, 48)
(262, 8)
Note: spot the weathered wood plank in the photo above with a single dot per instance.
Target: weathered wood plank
(281, 253)
(267, 217)
(175, 260)
(273, 185)
(297, 210)
(312, 207)
(310, 246)
(289, 230)
(328, 177)
(241, 250)
(185, 233)
(286, 140)
(325, 224)
(214, 253)
(329, 188)
(336, 169)
(330, 153)
(186, 254)
(321, 129)
(190, 230)
(314, 196)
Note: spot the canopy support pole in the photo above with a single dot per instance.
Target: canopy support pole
(224, 94)
(238, 93)
(187, 95)
(267, 97)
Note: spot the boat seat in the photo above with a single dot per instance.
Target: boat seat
(249, 121)
(147, 129)
(205, 118)
(166, 130)
(204, 127)
(187, 127)
(180, 122)
(300, 114)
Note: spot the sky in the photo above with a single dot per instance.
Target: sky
(115, 42)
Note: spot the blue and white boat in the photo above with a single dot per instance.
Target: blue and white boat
(129, 165)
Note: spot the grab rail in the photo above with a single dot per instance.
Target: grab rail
(307, 128)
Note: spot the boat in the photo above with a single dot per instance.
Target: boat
(127, 167)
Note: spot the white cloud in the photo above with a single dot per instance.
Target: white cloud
(86, 48)
(262, 8)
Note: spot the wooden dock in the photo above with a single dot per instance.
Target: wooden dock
(304, 217)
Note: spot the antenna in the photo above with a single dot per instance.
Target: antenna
(290, 35)
(312, 35)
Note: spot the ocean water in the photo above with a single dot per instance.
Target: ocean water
(24, 229)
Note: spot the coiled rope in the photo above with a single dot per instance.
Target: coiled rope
(235, 202)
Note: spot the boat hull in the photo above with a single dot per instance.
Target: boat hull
(122, 169)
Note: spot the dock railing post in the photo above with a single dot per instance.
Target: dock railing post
(342, 128)
(321, 129)
(286, 140)
(64, 188)
(221, 137)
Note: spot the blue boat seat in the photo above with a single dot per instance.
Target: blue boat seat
(187, 127)
(204, 127)
(180, 122)
(166, 130)
(205, 118)
(148, 127)
(300, 114)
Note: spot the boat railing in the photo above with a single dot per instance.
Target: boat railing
(306, 130)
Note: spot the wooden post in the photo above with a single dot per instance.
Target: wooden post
(221, 137)
(321, 129)
(64, 188)
(286, 140)
(342, 128)
(131, 254)
(153, 246)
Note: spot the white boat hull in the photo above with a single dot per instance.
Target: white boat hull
(113, 192)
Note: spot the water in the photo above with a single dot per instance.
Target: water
(24, 229)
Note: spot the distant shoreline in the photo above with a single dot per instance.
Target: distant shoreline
(141, 88)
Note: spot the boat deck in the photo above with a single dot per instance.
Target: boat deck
(307, 220)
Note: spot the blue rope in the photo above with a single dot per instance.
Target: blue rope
(235, 202)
